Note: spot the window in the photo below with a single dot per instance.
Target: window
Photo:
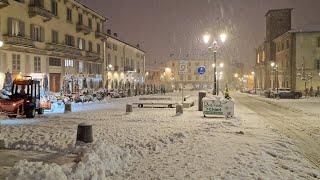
(80, 19)
(81, 67)
(132, 64)
(69, 14)
(282, 46)
(54, 62)
(318, 41)
(68, 63)
(317, 64)
(90, 46)
(16, 27)
(109, 45)
(122, 61)
(54, 7)
(115, 47)
(90, 23)
(55, 37)
(258, 58)
(288, 44)
(109, 59)
(38, 3)
(37, 33)
(98, 48)
(81, 44)
(69, 40)
(115, 60)
(37, 64)
(16, 62)
(98, 27)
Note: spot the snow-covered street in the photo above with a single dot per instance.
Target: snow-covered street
(262, 141)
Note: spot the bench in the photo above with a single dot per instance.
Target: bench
(186, 97)
(155, 104)
(155, 99)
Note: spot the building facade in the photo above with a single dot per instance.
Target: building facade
(125, 64)
(278, 21)
(297, 59)
(62, 40)
(191, 79)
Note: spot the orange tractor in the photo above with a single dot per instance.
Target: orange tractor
(25, 99)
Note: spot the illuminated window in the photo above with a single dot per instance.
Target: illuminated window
(37, 64)
(68, 63)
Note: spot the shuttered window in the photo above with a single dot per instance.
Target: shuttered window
(69, 40)
(37, 64)
(16, 27)
(16, 62)
(37, 33)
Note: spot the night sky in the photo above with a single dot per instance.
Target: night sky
(163, 27)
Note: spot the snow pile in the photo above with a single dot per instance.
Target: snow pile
(100, 160)
(24, 170)
(97, 161)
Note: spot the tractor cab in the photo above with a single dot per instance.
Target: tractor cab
(29, 90)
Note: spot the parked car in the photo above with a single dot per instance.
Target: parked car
(287, 93)
(114, 94)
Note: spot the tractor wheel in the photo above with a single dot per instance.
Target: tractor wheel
(40, 111)
(31, 113)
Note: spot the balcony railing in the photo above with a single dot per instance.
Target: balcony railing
(40, 11)
(18, 40)
(83, 28)
(100, 35)
(128, 68)
(3, 3)
(93, 56)
(63, 49)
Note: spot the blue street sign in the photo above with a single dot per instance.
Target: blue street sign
(201, 70)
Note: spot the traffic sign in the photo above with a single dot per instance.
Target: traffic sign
(183, 67)
(201, 70)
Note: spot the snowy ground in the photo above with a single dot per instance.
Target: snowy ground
(156, 144)
(309, 106)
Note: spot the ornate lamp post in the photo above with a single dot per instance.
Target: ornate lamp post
(214, 47)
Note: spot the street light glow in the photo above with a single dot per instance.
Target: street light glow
(213, 65)
(223, 37)
(110, 66)
(252, 72)
(236, 75)
(221, 65)
(273, 64)
(206, 38)
(1, 43)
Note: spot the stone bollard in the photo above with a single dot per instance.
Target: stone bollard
(84, 133)
(201, 96)
(179, 109)
(67, 107)
(128, 108)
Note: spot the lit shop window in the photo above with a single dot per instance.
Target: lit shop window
(68, 63)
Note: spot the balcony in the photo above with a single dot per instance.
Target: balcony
(61, 48)
(18, 40)
(40, 11)
(101, 35)
(3, 3)
(93, 55)
(128, 69)
(83, 28)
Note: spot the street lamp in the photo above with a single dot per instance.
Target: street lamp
(254, 82)
(109, 68)
(275, 69)
(206, 39)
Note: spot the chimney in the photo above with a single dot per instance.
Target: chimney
(109, 31)
(138, 46)
(115, 34)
